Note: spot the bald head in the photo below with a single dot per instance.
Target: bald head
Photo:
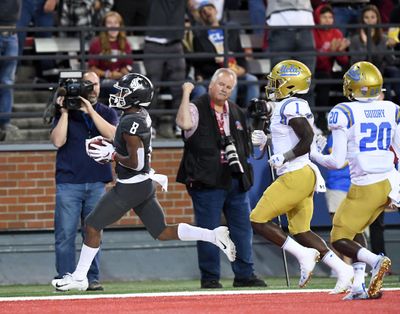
(94, 78)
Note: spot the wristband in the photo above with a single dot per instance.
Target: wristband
(289, 155)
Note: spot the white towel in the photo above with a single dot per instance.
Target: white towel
(159, 178)
(319, 182)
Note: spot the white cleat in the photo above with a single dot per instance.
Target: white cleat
(67, 283)
(224, 242)
(345, 280)
(359, 294)
(377, 274)
(307, 265)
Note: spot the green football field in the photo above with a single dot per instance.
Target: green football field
(274, 283)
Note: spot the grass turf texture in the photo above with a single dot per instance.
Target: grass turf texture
(176, 285)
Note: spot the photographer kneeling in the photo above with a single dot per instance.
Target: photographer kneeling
(215, 170)
(80, 181)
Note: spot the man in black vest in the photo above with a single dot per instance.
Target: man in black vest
(215, 170)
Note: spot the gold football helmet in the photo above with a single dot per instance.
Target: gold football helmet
(287, 78)
(362, 81)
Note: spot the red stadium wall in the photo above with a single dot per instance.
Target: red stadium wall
(27, 190)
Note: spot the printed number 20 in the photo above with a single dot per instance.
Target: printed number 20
(378, 136)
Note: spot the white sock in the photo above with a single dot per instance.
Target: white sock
(85, 260)
(367, 256)
(359, 276)
(188, 232)
(294, 248)
(334, 262)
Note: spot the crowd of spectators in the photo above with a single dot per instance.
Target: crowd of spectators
(306, 44)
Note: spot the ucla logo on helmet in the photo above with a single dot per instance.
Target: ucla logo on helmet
(354, 73)
(289, 70)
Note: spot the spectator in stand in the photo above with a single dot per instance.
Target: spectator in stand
(134, 13)
(112, 43)
(212, 41)
(327, 40)
(9, 15)
(394, 43)
(41, 13)
(83, 14)
(359, 43)
(291, 13)
(193, 6)
(164, 43)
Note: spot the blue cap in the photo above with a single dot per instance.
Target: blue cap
(204, 4)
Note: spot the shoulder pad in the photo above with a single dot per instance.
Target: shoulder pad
(340, 117)
(293, 108)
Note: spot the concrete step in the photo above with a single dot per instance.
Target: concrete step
(25, 73)
(29, 107)
(34, 135)
(30, 123)
(31, 96)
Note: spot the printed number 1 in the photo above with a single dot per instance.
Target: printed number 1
(378, 138)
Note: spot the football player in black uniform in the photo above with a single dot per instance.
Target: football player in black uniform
(135, 186)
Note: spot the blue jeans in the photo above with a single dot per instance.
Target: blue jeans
(251, 90)
(32, 11)
(257, 15)
(8, 47)
(73, 203)
(292, 41)
(208, 206)
(345, 15)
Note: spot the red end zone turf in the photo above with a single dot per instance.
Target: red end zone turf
(307, 303)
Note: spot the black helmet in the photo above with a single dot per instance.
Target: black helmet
(133, 90)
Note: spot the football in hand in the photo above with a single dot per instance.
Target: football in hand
(95, 141)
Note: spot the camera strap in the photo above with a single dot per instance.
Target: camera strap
(222, 119)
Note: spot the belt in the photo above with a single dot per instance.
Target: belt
(7, 33)
(170, 43)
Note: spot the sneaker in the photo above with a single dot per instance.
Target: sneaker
(95, 286)
(345, 280)
(307, 265)
(377, 274)
(211, 284)
(360, 294)
(67, 283)
(224, 242)
(252, 281)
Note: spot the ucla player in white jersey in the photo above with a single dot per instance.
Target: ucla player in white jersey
(363, 131)
(292, 192)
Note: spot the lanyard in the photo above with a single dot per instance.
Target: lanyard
(222, 119)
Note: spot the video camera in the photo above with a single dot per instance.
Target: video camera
(260, 111)
(71, 86)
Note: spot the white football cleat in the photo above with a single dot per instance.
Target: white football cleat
(359, 294)
(307, 264)
(377, 274)
(224, 242)
(345, 280)
(67, 283)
